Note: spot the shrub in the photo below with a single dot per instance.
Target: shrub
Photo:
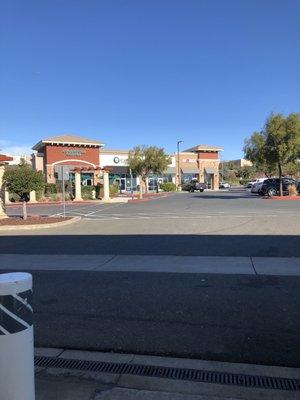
(113, 188)
(14, 197)
(87, 192)
(293, 190)
(168, 186)
(50, 188)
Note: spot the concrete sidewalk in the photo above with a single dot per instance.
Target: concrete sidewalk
(146, 263)
(73, 384)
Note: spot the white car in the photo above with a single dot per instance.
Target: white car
(224, 185)
(256, 186)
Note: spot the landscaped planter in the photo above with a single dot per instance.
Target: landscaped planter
(281, 198)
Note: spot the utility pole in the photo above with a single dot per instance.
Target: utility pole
(178, 164)
(63, 190)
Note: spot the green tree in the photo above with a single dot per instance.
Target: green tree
(277, 145)
(21, 180)
(254, 150)
(245, 172)
(292, 169)
(143, 160)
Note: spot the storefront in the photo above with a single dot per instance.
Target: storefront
(59, 156)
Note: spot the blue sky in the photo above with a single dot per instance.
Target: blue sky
(133, 72)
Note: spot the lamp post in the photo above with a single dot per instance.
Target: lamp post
(178, 164)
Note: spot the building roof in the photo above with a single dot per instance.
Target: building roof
(203, 147)
(4, 159)
(112, 151)
(67, 139)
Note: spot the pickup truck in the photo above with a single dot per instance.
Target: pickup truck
(193, 185)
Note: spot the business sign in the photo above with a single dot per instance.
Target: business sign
(74, 152)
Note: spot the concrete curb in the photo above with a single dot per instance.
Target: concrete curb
(52, 203)
(144, 199)
(39, 226)
(124, 386)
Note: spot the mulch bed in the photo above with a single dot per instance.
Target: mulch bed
(281, 198)
(31, 220)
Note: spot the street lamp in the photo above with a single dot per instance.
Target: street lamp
(178, 164)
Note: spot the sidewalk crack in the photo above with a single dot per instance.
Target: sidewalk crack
(253, 265)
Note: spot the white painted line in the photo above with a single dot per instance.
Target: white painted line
(104, 208)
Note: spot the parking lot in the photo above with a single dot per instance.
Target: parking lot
(141, 289)
(223, 223)
(237, 203)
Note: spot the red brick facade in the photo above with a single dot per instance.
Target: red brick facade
(208, 156)
(71, 155)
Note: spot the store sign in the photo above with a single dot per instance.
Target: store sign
(74, 152)
(118, 160)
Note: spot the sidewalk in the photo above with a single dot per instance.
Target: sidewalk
(145, 263)
(190, 379)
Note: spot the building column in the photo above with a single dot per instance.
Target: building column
(77, 186)
(32, 197)
(2, 207)
(6, 197)
(106, 185)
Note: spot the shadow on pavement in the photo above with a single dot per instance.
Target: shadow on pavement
(202, 245)
(237, 318)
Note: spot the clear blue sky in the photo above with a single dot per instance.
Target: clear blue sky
(133, 72)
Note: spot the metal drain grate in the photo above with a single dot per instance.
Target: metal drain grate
(253, 381)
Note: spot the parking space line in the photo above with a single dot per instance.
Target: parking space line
(104, 208)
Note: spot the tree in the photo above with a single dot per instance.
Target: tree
(22, 180)
(157, 160)
(245, 172)
(254, 150)
(292, 169)
(277, 145)
(145, 159)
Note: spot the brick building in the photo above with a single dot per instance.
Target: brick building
(74, 152)
(70, 152)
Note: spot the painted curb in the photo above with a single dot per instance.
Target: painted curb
(39, 226)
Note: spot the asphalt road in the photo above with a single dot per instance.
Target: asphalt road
(210, 223)
(252, 319)
(238, 318)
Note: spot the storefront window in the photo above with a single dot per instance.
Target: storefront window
(123, 180)
(187, 177)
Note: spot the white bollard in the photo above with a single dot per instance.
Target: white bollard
(16, 337)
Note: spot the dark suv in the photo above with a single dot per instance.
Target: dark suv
(193, 185)
(271, 187)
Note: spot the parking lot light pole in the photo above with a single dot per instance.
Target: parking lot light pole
(178, 164)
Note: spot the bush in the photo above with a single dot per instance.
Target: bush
(50, 188)
(14, 197)
(87, 192)
(113, 188)
(168, 186)
(58, 197)
(293, 190)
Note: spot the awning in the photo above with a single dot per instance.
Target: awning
(170, 170)
(118, 170)
(190, 171)
(209, 171)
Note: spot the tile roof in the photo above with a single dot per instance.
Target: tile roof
(204, 147)
(67, 139)
(4, 158)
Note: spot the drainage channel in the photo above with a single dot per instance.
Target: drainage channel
(195, 375)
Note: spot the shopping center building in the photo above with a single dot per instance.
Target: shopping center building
(65, 154)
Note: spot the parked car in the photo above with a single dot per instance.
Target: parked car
(224, 185)
(256, 186)
(249, 185)
(193, 185)
(271, 187)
